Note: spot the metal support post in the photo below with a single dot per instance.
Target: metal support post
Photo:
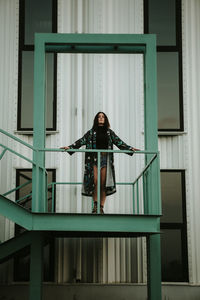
(154, 267)
(36, 267)
(39, 201)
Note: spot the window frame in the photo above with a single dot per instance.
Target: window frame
(22, 48)
(178, 49)
(182, 226)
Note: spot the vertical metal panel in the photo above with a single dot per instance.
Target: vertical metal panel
(8, 100)
(8, 93)
(173, 152)
(191, 66)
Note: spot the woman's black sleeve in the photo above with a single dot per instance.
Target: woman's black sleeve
(119, 143)
(79, 143)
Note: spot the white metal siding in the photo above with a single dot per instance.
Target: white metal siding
(8, 94)
(83, 89)
(191, 67)
(88, 84)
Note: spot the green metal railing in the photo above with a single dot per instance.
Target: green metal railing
(142, 195)
(33, 162)
(143, 200)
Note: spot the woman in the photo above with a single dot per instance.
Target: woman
(99, 137)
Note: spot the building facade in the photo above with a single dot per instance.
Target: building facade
(77, 87)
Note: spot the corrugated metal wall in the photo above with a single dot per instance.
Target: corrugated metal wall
(191, 67)
(87, 84)
(8, 94)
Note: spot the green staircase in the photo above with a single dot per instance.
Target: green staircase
(40, 226)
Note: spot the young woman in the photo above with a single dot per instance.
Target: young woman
(99, 137)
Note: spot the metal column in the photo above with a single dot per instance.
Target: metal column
(36, 267)
(151, 143)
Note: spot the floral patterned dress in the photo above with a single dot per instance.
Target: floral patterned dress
(89, 140)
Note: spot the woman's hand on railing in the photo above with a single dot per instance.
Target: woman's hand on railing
(65, 148)
(135, 149)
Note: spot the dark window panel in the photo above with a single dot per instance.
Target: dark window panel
(22, 263)
(174, 263)
(38, 18)
(25, 175)
(163, 18)
(35, 16)
(27, 90)
(168, 90)
(172, 197)
(162, 21)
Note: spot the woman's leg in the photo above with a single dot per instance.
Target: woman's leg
(95, 184)
(103, 184)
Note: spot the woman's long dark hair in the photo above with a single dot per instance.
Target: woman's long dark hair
(106, 123)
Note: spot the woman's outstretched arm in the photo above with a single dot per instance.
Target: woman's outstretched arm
(120, 144)
(76, 145)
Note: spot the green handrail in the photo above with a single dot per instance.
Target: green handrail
(2, 153)
(18, 154)
(136, 182)
(96, 151)
(145, 168)
(22, 156)
(23, 198)
(17, 188)
(142, 175)
(17, 139)
(147, 189)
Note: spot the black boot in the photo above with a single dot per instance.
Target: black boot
(94, 210)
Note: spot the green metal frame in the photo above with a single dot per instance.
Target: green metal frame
(101, 43)
(92, 43)
(38, 220)
(111, 223)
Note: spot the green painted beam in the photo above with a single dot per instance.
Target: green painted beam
(15, 213)
(91, 39)
(78, 222)
(150, 100)
(96, 223)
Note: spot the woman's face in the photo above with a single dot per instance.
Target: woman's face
(101, 119)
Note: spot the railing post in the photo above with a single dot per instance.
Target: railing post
(144, 192)
(158, 193)
(45, 190)
(98, 180)
(52, 201)
(133, 199)
(137, 196)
